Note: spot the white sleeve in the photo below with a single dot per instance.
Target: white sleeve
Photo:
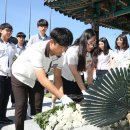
(111, 53)
(128, 52)
(36, 58)
(60, 62)
(71, 57)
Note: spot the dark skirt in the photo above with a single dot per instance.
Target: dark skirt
(72, 89)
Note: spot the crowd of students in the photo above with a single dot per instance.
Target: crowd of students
(24, 68)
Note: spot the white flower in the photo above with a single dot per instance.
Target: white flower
(48, 128)
(63, 118)
(59, 115)
(78, 107)
(52, 120)
(58, 127)
(77, 124)
(68, 126)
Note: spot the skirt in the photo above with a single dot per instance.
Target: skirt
(71, 89)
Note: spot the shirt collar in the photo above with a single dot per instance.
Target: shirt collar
(4, 42)
(17, 45)
(40, 37)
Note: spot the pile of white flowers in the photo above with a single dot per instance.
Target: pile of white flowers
(61, 118)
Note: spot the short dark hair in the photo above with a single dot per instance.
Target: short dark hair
(62, 36)
(21, 34)
(6, 25)
(42, 22)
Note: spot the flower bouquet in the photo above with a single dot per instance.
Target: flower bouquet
(61, 118)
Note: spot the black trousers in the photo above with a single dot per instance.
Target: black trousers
(5, 90)
(72, 89)
(12, 97)
(36, 96)
(21, 92)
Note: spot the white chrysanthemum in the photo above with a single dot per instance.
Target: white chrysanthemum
(62, 123)
(59, 112)
(58, 127)
(78, 116)
(66, 119)
(67, 110)
(77, 124)
(78, 107)
(68, 126)
(48, 127)
(84, 122)
(52, 120)
(68, 113)
(60, 115)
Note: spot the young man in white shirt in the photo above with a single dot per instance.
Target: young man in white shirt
(34, 64)
(7, 52)
(36, 94)
(42, 26)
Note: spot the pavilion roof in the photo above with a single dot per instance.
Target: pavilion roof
(106, 13)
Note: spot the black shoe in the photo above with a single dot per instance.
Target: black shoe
(6, 120)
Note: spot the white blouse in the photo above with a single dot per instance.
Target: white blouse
(119, 56)
(104, 60)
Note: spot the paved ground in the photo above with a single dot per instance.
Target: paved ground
(30, 124)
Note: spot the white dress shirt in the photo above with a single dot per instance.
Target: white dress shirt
(7, 52)
(34, 57)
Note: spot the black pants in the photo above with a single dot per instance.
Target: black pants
(12, 97)
(72, 89)
(36, 96)
(5, 90)
(21, 92)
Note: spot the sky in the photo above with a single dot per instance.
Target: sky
(18, 15)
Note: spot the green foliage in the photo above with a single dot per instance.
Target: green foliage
(42, 118)
(108, 99)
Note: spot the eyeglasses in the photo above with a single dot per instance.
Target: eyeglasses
(92, 45)
(8, 30)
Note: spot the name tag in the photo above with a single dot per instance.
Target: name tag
(54, 66)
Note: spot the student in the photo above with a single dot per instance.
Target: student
(103, 57)
(7, 52)
(75, 63)
(20, 47)
(121, 52)
(42, 26)
(35, 63)
(37, 93)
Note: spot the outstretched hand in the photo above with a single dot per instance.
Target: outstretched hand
(84, 92)
(66, 100)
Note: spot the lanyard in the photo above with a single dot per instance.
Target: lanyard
(49, 67)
